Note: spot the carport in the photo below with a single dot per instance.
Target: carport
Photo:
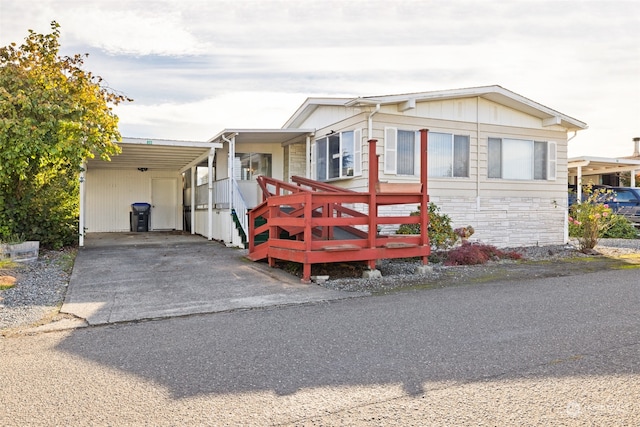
(596, 167)
(147, 170)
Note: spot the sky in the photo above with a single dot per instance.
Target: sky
(196, 67)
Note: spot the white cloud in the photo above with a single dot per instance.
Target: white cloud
(203, 119)
(135, 32)
(195, 67)
(135, 28)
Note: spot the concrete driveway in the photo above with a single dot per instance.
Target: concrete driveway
(119, 277)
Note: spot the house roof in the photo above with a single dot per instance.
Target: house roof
(493, 93)
(265, 136)
(601, 165)
(152, 153)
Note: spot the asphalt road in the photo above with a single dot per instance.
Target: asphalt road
(555, 351)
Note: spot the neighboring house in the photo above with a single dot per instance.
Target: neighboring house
(497, 161)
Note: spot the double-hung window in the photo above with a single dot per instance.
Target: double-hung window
(448, 154)
(338, 155)
(521, 159)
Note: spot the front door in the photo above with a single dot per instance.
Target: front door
(163, 203)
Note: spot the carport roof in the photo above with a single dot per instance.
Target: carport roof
(153, 153)
(601, 165)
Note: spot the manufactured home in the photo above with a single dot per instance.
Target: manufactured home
(496, 161)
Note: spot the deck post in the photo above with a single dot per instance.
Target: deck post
(373, 205)
(308, 236)
(424, 202)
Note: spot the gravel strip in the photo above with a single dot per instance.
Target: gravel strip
(399, 273)
(39, 292)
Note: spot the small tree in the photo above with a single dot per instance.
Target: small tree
(53, 116)
(589, 219)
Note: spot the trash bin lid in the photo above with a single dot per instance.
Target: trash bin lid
(140, 207)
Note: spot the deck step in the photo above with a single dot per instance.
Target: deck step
(396, 245)
(337, 248)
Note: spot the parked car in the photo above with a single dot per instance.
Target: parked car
(622, 200)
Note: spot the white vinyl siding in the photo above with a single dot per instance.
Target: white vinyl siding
(521, 159)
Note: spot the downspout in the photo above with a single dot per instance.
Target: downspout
(81, 219)
(230, 172)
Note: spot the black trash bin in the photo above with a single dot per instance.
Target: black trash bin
(139, 216)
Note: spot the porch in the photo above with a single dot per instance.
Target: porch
(311, 222)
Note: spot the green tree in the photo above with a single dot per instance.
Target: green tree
(53, 116)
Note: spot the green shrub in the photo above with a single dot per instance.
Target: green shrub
(590, 219)
(620, 228)
(441, 234)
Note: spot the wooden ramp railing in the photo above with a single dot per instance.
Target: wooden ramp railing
(312, 222)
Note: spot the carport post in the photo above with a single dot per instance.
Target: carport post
(212, 151)
(83, 168)
(632, 181)
(579, 185)
(192, 211)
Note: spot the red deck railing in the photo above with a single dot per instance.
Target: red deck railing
(312, 222)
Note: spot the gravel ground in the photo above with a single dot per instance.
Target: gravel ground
(399, 273)
(42, 284)
(39, 292)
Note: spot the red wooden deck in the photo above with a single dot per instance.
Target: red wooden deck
(312, 222)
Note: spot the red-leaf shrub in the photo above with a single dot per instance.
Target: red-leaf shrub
(477, 253)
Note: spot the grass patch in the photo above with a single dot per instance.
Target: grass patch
(627, 267)
(66, 260)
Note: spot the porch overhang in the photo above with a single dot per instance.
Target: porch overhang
(266, 136)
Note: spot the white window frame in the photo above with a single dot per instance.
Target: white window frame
(357, 156)
(391, 153)
(452, 165)
(551, 161)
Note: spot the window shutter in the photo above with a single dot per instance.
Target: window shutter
(553, 161)
(390, 150)
(357, 152)
(416, 153)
